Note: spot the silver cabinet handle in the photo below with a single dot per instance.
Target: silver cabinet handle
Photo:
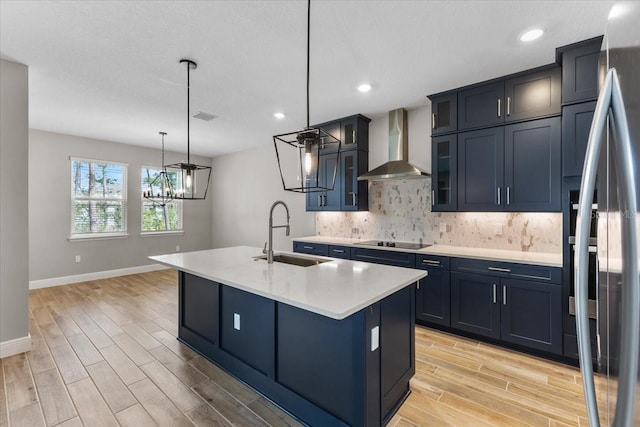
(433, 197)
(498, 196)
(431, 262)
(418, 287)
(495, 293)
(499, 107)
(433, 121)
(353, 199)
(308, 247)
(504, 295)
(319, 199)
(508, 105)
(354, 136)
(338, 251)
(324, 200)
(499, 269)
(610, 99)
(508, 195)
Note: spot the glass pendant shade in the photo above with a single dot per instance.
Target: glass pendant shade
(193, 180)
(160, 190)
(307, 160)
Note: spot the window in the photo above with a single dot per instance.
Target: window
(98, 198)
(156, 218)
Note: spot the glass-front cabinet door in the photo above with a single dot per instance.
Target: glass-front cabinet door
(349, 161)
(444, 173)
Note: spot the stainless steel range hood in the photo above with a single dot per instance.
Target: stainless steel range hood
(397, 167)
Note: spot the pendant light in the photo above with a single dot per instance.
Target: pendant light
(160, 191)
(193, 180)
(308, 158)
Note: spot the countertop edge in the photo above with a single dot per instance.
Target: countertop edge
(503, 255)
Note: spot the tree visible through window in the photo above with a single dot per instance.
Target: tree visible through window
(154, 216)
(98, 197)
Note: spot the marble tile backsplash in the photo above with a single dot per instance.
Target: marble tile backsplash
(401, 211)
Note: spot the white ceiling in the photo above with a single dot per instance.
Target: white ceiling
(109, 69)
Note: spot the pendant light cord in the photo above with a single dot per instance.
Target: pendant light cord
(308, 44)
(188, 114)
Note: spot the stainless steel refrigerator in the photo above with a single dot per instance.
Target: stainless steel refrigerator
(612, 166)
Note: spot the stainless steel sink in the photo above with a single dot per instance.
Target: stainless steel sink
(294, 260)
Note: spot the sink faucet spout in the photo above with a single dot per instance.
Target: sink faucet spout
(287, 228)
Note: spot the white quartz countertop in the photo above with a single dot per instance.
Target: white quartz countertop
(336, 289)
(535, 258)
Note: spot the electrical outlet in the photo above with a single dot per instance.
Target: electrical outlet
(78, 258)
(443, 227)
(497, 229)
(177, 248)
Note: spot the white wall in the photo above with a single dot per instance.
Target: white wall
(52, 255)
(244, 185)
(14, 252)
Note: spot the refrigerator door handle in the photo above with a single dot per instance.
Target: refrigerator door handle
(610, 98)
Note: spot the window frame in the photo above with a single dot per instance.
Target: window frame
(123, 200)
(178, 203)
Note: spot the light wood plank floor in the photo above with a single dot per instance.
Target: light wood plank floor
(105, 353)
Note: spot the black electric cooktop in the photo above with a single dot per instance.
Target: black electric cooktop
(392, 244)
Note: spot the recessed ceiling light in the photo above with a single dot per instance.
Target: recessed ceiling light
(364, 88)
(618, 9)
(278, 116)
(531, 35)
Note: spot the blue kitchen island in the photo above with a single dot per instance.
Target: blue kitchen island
(332, 343)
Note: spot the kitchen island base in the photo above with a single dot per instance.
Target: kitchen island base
(323, 371)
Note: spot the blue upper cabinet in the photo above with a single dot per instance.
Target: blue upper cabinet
(444, 113)
(444, 173)
(580, 70)
(348, 193)
(528, 95)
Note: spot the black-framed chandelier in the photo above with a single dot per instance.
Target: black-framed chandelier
(307, 159)
(160, 190)
(193, 180)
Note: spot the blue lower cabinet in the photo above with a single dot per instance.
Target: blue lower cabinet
(376, 256)
(311, 248)
(339, 252)
(433, 293)
(474, 304)
(531, 314)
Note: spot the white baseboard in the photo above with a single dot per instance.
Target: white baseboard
(65, 280)
(16, 346)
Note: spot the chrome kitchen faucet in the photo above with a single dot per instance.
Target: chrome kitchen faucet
(269, 251)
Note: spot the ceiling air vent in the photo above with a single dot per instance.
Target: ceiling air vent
(204, 116)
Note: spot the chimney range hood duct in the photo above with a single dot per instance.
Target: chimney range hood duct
(397, 167)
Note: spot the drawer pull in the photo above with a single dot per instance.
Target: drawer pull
(431, 262)
(495, 293)
(338, 251)
(501, 270)
(308, 247)
(504, 295)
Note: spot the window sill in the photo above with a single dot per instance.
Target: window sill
(97, 236)
(161, 233)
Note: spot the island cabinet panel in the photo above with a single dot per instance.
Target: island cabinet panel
(247, 328)
(327, 361)
(198, 311)
(398, 348)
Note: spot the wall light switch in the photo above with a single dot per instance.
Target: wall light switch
(443, 227)
(236, 321)
(375, 338)
(78, 258)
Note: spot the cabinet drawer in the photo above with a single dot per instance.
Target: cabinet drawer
(339, 251)
(424, 262)
(398, 259)
(311, 248)
(507, 269)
